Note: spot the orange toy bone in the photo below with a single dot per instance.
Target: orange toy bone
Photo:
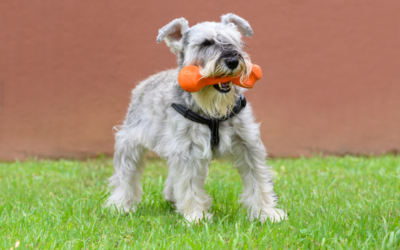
(190, 80)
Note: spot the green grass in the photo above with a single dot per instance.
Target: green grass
(333, 203)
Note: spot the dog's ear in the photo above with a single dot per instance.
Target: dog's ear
(242, 24)
(172, 33)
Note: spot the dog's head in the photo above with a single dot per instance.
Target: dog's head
(217, 48)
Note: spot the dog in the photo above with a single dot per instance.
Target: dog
(189, 146)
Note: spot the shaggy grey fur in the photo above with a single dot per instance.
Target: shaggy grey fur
(151, 123)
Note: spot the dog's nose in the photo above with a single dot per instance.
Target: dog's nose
(232, 62)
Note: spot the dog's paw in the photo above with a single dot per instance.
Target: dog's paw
(119, 208)
(196, 218)
(273, 214)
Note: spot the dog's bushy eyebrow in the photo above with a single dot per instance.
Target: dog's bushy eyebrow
(222, 37)
(207, 42)
(201, 40)
(229, 38)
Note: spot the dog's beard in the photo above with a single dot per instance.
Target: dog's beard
(212, 102)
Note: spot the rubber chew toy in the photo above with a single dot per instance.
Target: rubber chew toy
(190, 80)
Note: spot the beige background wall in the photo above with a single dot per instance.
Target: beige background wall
(331, 72)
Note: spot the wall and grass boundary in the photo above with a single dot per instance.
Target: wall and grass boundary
(331, 72)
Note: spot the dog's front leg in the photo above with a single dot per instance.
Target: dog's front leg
(258, 194)
(189, 194)
(249, 156)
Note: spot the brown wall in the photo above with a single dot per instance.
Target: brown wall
(331, 71)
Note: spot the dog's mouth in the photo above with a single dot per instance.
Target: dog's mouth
(223, 87)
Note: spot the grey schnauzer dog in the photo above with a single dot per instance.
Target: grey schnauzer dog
(151, 123)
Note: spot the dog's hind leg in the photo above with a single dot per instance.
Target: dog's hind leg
(187, 179)
(128, 168)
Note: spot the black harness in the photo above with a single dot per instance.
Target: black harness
(213, 124)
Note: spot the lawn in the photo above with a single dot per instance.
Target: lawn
(332, 202)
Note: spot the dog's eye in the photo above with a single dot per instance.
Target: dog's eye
(206, 43)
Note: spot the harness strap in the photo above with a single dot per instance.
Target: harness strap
(213, 124)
